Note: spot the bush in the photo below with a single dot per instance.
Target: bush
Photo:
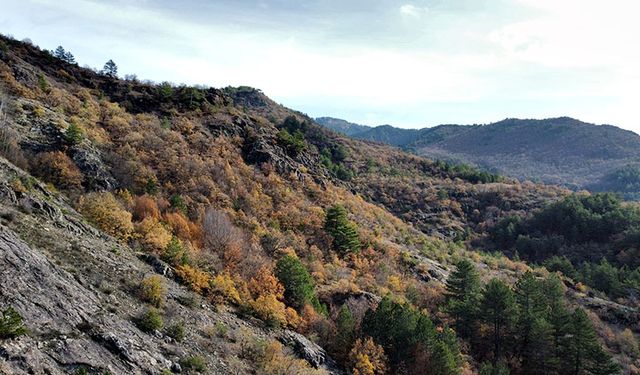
(153, 235)
(73, 135)
(153, 291)
(293, 144)
(56, 167)
(11, 324)
(176, 331)
(193, 364)
(197, 280)
(103, 210)
(150, 321)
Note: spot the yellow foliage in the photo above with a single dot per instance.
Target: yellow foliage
(368, 358)
(153, 235)
(268, 308)
(276, 362)
(224, 286)
(105, 211)
(153, 291)
(197, 280)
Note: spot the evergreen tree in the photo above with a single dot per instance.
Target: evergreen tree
(299, 287)
(537, 355)
(531, 306)
(68, 57)
(463, 295)
(343, 231)
(59, 53)
(558, 317)
(73, 135)
(110, 69)
(442, 362)
(498, 311)
(345, 335)
(583, 353)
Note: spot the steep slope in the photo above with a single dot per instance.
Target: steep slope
(268, 221)
(560, 151)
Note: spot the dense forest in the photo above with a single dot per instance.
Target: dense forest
(270, 220)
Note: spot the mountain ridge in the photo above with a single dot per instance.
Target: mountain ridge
(559, 150)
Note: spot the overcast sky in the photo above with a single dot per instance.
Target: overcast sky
(405, 63)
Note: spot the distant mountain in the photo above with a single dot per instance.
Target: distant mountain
(341, 126)
(562, 150)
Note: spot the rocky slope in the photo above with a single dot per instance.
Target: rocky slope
(239, 183)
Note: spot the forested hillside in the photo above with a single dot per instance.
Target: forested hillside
(151, 228)
(560, 151)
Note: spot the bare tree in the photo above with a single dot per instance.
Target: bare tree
(219, 231)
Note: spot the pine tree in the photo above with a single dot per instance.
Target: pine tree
(343, 231)
(499, 312)
(558, 317)
(531, 306)
(442, 362)
(345, 332)
(463, 296)
(110, 69)
(73, 135)
(583, 353)
(537, 355)
(68, 57)
(299, 287)
(59, 53)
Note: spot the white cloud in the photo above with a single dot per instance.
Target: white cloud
(570, 57)
(411, 10)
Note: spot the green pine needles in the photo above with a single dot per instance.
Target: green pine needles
(343, 231)
(11, 324)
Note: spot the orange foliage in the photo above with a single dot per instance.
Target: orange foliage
(56, 167)
(265, 283)
(180, 225)
(144, 207)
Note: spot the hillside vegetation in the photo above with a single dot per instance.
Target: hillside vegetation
(202, 230)
(560, 151)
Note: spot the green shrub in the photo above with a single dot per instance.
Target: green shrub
(176, 331)
(150, 321)
(193, 364)
(11, 324)
(73, 135)
(292, 143)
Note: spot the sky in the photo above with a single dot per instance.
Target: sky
(407, 63)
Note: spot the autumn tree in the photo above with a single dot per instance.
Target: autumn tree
(343, 231)
(56, 167)
(153, 291)
(367, 358)
(107, 213)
